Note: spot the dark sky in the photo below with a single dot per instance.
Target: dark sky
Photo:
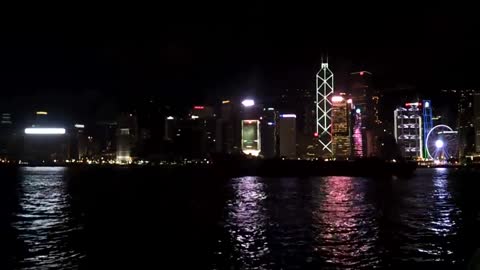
(198, 53)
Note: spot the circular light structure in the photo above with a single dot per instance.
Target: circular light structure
(439, 143)
(248, 102)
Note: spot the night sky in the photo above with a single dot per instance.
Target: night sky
(203, 53)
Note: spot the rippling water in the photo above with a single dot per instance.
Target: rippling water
(59, 218)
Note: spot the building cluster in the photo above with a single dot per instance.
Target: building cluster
(320, 123)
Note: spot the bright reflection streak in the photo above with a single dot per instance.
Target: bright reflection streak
(45, 219)
(432, 227)
(345, 225)
(247, 221)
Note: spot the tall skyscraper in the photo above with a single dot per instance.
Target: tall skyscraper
(251, 140)
(408, 130)
(466, 120)
(324, 93)
(6, 135)
(367, 119)
(476, 115)
(341, 111)
(269, 132)
(126, 135)
(287, 138)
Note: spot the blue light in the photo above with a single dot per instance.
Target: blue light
(358, 110)
(270, 123)
(427, 104)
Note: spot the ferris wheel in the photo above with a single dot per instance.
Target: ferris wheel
(441, 143)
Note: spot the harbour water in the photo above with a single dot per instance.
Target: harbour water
(64, 218)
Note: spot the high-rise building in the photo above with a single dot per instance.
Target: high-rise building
(226, 128)
(251, 139)
(465, 120)
(7, 139)
(408, 130)
(269, 132)
(78, 142)
(341, 111)
(476, 115)
(287, 135)
(367, 107)
(324, 93)
(126, 135)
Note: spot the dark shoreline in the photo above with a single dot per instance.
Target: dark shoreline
(259, 167)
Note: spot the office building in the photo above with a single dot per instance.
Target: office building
(7, 136)
(341, 131)
(466, 119)
(408, 130)
(78, 142)
(367, 119)
(287, 135)
(476, 116)
(251, 140)
(126, 138)
(269, 132)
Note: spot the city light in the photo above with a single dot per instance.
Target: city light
(225, 101)
(361, 73)
(170, 118)
(427, 104)
(45, 131)
(337, 99)
(315, 134)
(439, 143)
(349, 101)
(248, 102)
(288, 115)
(41, 113)
(79, 126)
(270, 109)
(194, 116)
(358, 110)
(416, 104)
(198, 107)
(270, 123)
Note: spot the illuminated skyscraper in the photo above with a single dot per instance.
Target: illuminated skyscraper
(251, 142)
(367, 118)
(408, 130)
(287, 138)
(324, 86)
(126, 136)
(341, 112)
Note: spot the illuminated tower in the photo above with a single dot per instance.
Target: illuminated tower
(324, 81)
(427, 123)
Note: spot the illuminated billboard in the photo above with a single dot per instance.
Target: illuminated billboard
(44, 131)
(251, 137)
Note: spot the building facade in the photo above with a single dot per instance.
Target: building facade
(288, 138)
(341, 130)
(408, 130)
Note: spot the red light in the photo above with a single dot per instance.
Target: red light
(315, 134)
(361, 73)
(198, 107)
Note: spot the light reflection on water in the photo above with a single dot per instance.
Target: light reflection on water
(430, 216)
(343, 222)
(247, 223)
(44, 221)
